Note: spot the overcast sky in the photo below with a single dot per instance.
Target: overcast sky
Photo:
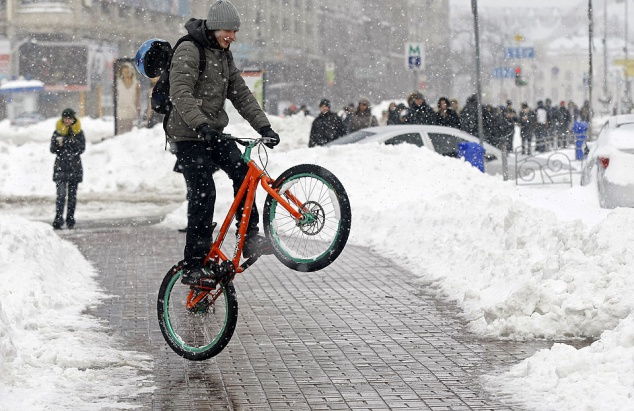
(531, 3)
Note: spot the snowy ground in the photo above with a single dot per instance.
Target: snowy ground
(522, 262)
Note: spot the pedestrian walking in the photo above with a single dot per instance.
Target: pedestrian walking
(541, 127)
(195, 126)
(509, 117)
(419, 111)
(326, 127)
(585, 112)
(562, 125)
(346, 115)
(363, 117)
(395, 113)
(469, 116)
(527, 127)
(446, 116)
(68, 143)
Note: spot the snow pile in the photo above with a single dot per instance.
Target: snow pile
(52, 354)
(598, 377)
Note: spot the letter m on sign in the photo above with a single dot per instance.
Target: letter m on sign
(414, 56)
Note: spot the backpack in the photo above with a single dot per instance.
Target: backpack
(161, 102)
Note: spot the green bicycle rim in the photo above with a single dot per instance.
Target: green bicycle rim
(274, 229)
(171, 331)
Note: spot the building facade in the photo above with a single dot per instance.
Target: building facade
(309, 49)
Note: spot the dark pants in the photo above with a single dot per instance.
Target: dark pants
(197, 162)
(541, 134)
(527, 137)
(62, 188)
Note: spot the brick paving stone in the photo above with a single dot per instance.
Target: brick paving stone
(361, 334)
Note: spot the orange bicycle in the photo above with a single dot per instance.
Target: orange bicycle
(306, 218)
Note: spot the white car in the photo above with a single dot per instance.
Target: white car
(611, 162)
(443, 140)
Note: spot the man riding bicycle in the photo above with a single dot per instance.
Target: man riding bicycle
(194, 130)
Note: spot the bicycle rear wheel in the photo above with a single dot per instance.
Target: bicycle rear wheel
(203, 329)
(316, 240)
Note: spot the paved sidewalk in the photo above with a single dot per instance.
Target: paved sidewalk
(361, 334)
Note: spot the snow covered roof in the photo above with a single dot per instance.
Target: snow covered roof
(21, 86)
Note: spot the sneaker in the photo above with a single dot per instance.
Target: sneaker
(199, 276)
(256, 245)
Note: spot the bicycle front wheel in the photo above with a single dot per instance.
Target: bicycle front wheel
(197, 324)
(316, 240)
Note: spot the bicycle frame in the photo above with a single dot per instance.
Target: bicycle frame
(247, 190)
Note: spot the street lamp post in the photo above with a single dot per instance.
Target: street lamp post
(474, 8)
(590, 29)
(627, 66)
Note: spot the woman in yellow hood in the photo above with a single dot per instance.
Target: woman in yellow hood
(68, 143)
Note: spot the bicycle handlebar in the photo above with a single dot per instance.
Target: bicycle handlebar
(247, 141)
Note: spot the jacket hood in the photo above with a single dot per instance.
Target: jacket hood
(196, 28)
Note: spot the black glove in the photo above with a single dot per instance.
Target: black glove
(272, 136)
(208, 134)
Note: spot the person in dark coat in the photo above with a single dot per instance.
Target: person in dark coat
(562, 121)
(509, 117)
(419, 111)
(527, 127)
(326, 127)
(446, 116)
(68, 143)
(469, 116)
(395, 114)
(541, 127)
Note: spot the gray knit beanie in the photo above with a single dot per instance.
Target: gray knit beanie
(223, 16)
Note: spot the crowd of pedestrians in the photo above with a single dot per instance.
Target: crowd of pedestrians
(542, 128)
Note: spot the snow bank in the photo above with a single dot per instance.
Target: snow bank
(52, 354)
(598, 377)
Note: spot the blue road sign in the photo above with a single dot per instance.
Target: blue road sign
(519, 52)
(503, 72)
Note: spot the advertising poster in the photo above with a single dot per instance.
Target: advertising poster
(127, 96)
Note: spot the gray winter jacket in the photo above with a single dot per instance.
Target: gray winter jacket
(199, 100)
